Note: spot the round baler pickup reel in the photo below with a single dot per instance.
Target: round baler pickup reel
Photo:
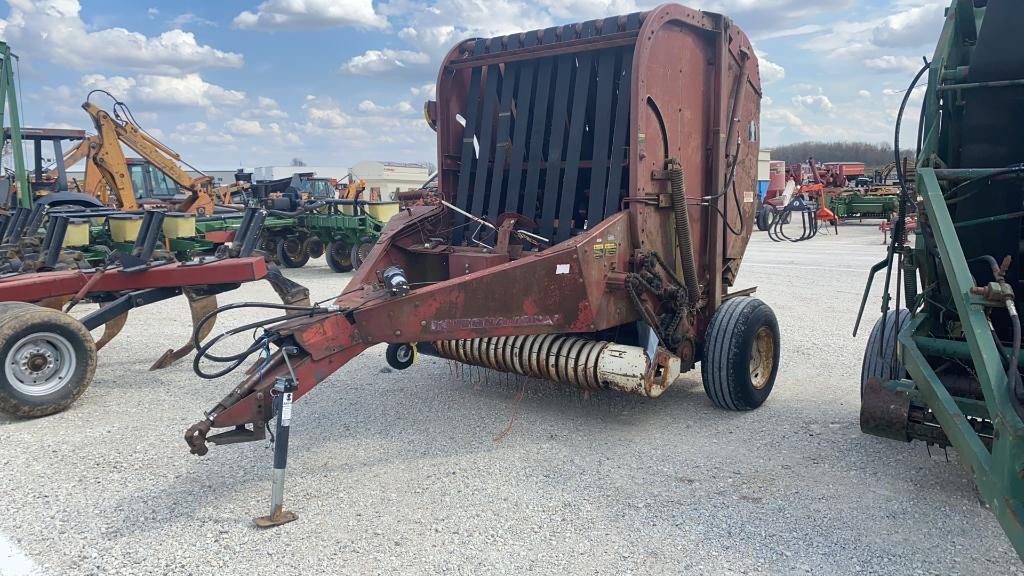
(581, 235)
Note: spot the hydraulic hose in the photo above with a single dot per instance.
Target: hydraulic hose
(682, 218)
(301, 210)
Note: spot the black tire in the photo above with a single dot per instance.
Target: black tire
(400, 356)
(339, 256)
(360, 251)
(315, 247)
(879, 353)
(741, 327)
(33, 334)
(764, 217)
(292, 252)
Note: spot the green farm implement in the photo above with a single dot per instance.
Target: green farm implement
(341, 230)
(942, 364)
(857, 204)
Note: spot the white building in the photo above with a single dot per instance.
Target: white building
(278, 172)
(386, 178)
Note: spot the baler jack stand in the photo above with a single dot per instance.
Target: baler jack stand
(284, 388)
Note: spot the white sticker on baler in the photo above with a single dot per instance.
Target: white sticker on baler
(561, 268)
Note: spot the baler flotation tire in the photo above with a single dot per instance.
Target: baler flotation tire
(32, 334)
(360, 251)
(292, 252)
(400, 356)
(741, 354)
(879, 354)
(339, 256)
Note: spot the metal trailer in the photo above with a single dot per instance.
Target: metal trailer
(592, 240)
(942, 363)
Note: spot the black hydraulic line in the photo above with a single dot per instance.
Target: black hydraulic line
(898, 230)
(301, 210)
(235, 360)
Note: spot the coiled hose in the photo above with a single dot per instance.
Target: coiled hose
(682, 218)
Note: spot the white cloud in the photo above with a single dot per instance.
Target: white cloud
(770, 71)
(311, 15)
(323, 114)
(152, 13)
(911, 27)
(244, 127)
(818, 102)
(425, 91)
(118, 86)
(889, 63)
(55, 30)
(371, 107)
(787, 32)
(200, 133)
(864, 94)
(782, 116)
(187, 18)
(377, 61)
(188, 90)
(265, 108)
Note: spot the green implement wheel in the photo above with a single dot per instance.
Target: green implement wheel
(339, 256)
(315, 247)
(360, 251)
(292, 252)
(49, 359)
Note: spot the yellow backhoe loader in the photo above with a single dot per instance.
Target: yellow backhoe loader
(106, 158)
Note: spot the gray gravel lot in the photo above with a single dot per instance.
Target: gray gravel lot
(400, 472)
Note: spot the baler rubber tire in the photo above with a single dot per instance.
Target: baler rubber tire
(879, 361)
(286, 259)
(19, 322)
(400, 356)
(335, 249)
(728, 345)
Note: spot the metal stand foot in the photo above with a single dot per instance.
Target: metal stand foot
(284, 388)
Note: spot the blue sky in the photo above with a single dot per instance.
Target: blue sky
(246, 83)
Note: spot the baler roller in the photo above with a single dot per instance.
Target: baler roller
(579, 362)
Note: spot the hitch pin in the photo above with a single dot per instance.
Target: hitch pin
(283, 391)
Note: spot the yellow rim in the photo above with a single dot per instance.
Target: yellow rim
(762, 357)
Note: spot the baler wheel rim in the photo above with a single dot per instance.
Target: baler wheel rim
(762, 358)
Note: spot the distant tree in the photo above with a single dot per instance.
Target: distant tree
(298, 162)
(431, 167)
(872, 155)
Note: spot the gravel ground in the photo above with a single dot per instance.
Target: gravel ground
(401, 472)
